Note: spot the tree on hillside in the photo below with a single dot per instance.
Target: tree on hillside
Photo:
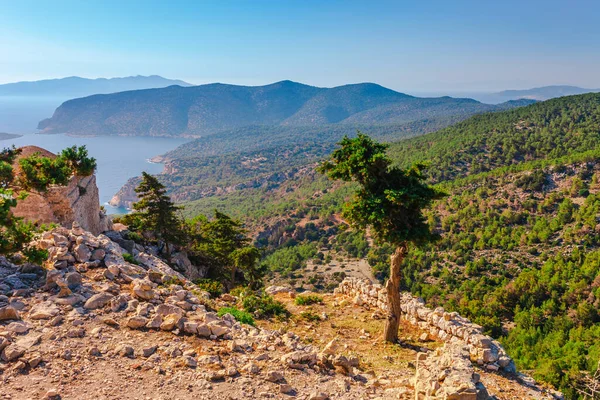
(156, 213)
(389, 201)
(246, 259)
(225, 241)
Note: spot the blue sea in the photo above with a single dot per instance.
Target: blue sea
(119, 157)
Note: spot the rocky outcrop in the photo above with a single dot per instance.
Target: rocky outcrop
(126, 196)
(95, 312)
(448, 326)
(78, 201)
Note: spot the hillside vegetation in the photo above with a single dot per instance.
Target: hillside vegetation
(518, 249)
(208, 109)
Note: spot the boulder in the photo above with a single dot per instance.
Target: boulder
(142, 289)
(171, 322)
(12, 352)
(45, 310)
(217, 329)
(166, 309)
(274, 376)
(8, 313)
(137, 322)
(98, 300)
(82, 253)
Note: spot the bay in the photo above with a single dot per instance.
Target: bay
(119, 157)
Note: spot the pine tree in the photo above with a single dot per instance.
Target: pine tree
(223, 236)
(389, 201)
(157, 213)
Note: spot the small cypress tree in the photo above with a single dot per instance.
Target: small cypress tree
(157, 213)
(389, 201)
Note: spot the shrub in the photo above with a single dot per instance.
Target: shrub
(309, 316)
(35, 255)
(215, 288)
(78, 160)
(38, 172)
(135, 236)
(172, 281)
(240, 291)
(241, 316)
(265, 307)
(129, 258)
(308, 300)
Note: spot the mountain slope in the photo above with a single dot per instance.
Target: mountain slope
(519, 246)
(75, 86)
(551, 129)
(207, 109)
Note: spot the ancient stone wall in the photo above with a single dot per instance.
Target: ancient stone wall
(447, 326)
(447, 373)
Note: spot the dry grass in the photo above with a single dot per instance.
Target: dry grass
(358, 334)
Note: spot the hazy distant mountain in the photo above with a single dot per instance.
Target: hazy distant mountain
(5, 136)
(77, 87)
(207, 109)
(541, 93)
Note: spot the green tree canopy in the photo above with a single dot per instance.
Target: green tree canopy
(156, 213)
(389, 200)
(77, 159)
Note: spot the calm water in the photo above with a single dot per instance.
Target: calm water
(119, 158)
(21, 114)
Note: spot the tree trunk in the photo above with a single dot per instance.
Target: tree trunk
(168, 252)
(393, 295)
(233, 272)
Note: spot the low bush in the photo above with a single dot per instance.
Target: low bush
(215, 288)
(241, 316)
(265, 307)
(308, 300)
(129, 258)
(309, 316)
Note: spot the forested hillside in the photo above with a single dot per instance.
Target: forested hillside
(207, 109)
(518, 250)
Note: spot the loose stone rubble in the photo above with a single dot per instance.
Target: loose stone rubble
(448, 326)
(87, 303)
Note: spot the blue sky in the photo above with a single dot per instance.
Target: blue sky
(414, 46)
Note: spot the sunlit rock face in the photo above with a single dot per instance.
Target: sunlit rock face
(78, 201)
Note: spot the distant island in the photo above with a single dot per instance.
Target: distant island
(196, 111)
(6, 136)
(75, 86)
(541, 93)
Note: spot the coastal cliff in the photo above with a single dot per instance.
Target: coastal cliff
(126, 196)
(77, 201)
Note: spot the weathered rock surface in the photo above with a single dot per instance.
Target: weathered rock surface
(447, 373)
(78, 201)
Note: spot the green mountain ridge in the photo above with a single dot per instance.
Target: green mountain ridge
(207, 109)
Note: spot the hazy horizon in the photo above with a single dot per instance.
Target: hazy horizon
(415, 92)
(464, 46)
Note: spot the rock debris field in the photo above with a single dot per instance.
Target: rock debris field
(90, 325)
